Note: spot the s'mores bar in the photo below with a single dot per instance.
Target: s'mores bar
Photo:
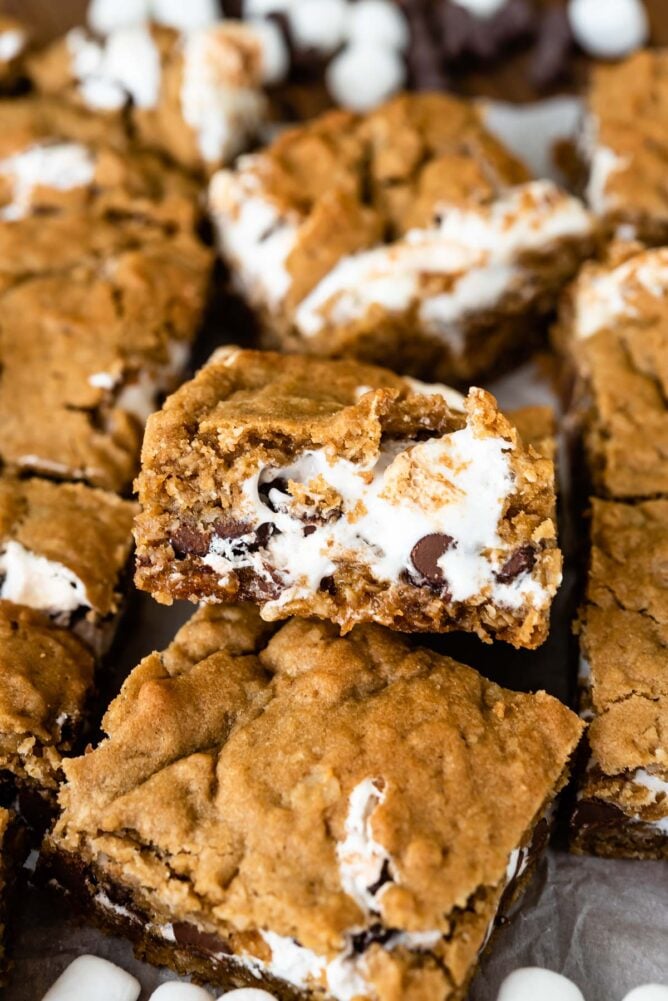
(195, 96)
(340, 490)
(86, 355)
(64, 550)
(613, 328)
(622, 806)
(46, 681)
(624, 146)
(408, 237)
(348, 863)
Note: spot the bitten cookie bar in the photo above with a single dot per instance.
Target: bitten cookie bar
(624, 146)
(614, 329)
(46, 679)
(622, 807)
(86, 356)
(340, 490)
(346, 864)
(64, 549)
(195, 95)
(408, 237)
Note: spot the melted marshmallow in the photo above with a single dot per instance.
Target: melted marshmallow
(125, 64)
(92, 977)
(62, 166)
(361, 858)
(605, 297)
(29, 579)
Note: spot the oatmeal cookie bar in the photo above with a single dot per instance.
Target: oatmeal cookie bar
(613, 328)
(86, 355)
(408, 237)
(64, 549)
(336, 489)
(346, 863)
(622, 806)
(46, 680)
(195, 96)
(624, 146)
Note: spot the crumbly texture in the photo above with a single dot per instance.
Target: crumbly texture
(622, 808)
(46, 680)
(628, 109)
(202, 766)
(73, 350)
(189, 80)
(82, 530)
(613, 330)
(249, 415)
(443, 204)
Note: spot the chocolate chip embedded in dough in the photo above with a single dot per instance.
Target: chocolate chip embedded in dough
(230, 528)
(375, 933)
(597, 813)
(523, 560)
(204, 942)
(280, 484)
(187, 541)
(384, 877)
(426, 553)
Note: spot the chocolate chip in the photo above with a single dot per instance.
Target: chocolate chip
(328, 584)
(375, 933)
(264, 490)
(596, 813)
(384, 877)
(230, 528)
(200, 941)
(520, 562)
(426, 553)
(262, 535)
(187, 541)
(309, 529)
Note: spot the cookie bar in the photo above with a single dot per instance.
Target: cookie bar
(46, 680)
(348, 863)
(64, 549)
(340, 490)
(614, 329)
(195, 96)
(408, 237)
(86, 356)
(622, 807)
(624, 147)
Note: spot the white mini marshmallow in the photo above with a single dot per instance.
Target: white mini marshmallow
(174, 991)
(262, 8)
(107, 15)
(647, 992)
(275, 54)
(532, 982)
(247, 994)
(92, 977)
(481, 8)
(609, 30)
(380, 21)
(185, 16)
(365, 74)
(319, 24)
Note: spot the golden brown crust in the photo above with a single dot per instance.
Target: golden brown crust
(202, 764)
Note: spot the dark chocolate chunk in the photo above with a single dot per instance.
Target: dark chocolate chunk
(374, 933)
(264, 489)
(597, 813)
(426, 553)
(328, 584)
(187, 541)
(384, 877)
(309, 529)
(191, 937)
(520, 562)
(229, 528)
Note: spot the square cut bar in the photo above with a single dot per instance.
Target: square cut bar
(622, 806)
(409, 237)
(613, 328)
(65, 550)
(196, 96)
(370, 858)
(624, 148)
(46, 682)
(340, 490)
(85, 357)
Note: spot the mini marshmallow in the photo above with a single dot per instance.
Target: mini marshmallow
(319, 24)
(647, 992)
(185, 16)
(533, 982)
(609, 30)
(275, 54)
(364, 74)
(174, 991)
(247, 994)
(380, 21)
(481, 8)
(92, 977)
(107, 15)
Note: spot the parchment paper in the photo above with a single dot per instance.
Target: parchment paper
(602, 923)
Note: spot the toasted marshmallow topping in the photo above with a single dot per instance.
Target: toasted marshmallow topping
(126, 64)
(29, 579)
(603, 297)
(61, 166)
(138, 394)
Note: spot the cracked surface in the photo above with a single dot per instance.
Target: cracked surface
(69, 349)
(614, 328)
(248, 411)
(624, 639)
(181, 811)
(627, 148)
(46, 677)
(342, 184)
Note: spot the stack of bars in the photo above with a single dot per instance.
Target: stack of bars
(613, 332)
